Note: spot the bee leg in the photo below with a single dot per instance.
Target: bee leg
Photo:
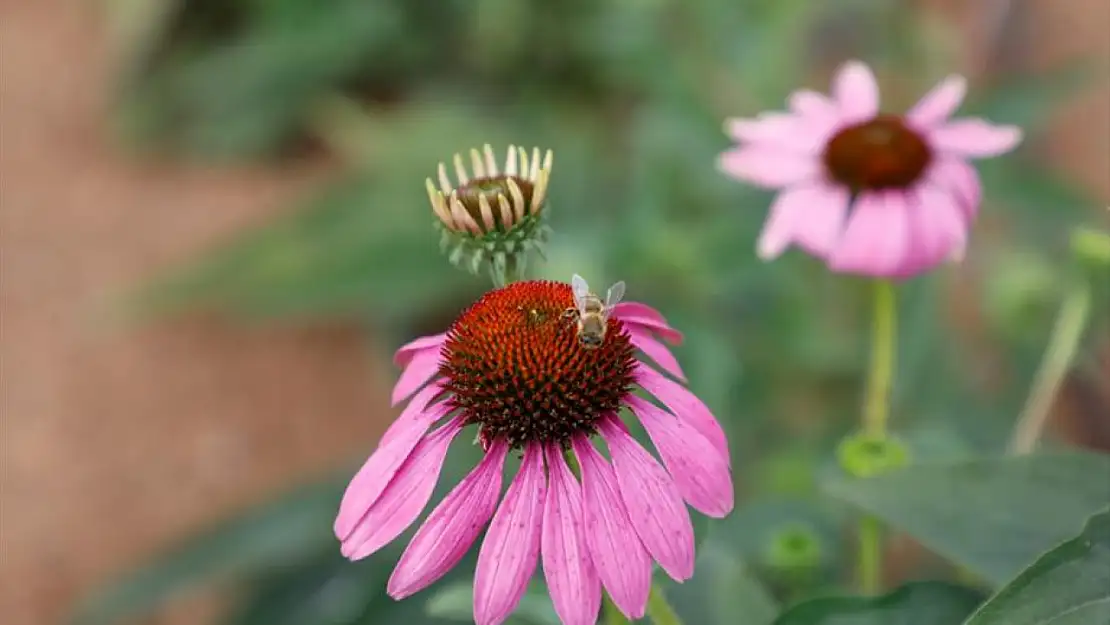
(482, 439)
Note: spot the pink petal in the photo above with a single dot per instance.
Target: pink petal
(571, 578)
(939, 104)
(961, 180)
(974, 138)
(856, 92)
(380, 468)
(875, 243)
(638, 310)
(768, 167)
(405, 497)
(415, 409)
(781, 132)
(700, 473)
(811, 216)
(653, 502)
(421, 368)
(813, 105)
(644, 316)
(451, 528)
(666, 332)
(403, 355)
(511, 548)
(657, 351)
(685, 405)
(936, 229)
(621, 561)
(766, 128)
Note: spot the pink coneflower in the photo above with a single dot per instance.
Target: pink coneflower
(870, 193)
(512, 364)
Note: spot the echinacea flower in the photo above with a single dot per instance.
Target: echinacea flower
(513, 366)
(870, 193)
(492, 215)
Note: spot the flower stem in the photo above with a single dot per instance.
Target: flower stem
(659, 611)
(876, 411)
(514, 269)
(506, 272)
(1057, 359)
(869, 568)
(611, 614)
(881, 376)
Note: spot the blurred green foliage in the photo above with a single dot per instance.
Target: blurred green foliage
(631, 95)
(920, 603)
(992, 515)
(1069, 585)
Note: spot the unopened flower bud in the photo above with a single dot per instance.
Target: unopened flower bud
(492, 215)
(864, 455)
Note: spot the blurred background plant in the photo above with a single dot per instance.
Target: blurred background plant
(631, 95)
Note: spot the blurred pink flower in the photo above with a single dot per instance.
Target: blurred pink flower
(512, 364)
(869, 193)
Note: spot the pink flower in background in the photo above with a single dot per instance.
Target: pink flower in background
(512, 364)
(869, 193)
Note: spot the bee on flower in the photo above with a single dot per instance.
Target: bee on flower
(590, 314)
(513, 367)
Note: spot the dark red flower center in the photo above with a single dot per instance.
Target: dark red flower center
(514, 366)
(882, 153)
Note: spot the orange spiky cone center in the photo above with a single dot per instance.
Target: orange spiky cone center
(514, 365)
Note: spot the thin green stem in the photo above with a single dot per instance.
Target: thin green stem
(504, 274)
(659, 611)
(611, 614)
(881, 376)
(876, 411)
(514, 269)
(869, 567)
(497, 274)
(1058, 356)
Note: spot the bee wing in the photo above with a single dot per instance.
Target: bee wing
(581, 291)
(613, 297)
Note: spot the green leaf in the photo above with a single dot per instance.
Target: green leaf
(251, 94)
(723, 587)
(1069, 585)
(328, 590)
(991, 516)
(456, 602)
(274, 536)
(917, 603)
(366, 243)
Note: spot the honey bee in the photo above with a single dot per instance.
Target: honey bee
(590, 313)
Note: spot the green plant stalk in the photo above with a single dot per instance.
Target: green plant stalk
(1058, 356)
(513, 272)
(876, 411)
(610, 613)
(881, 375)
(869, 567)
(659, 611)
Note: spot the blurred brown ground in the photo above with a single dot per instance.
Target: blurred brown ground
(116, 440)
